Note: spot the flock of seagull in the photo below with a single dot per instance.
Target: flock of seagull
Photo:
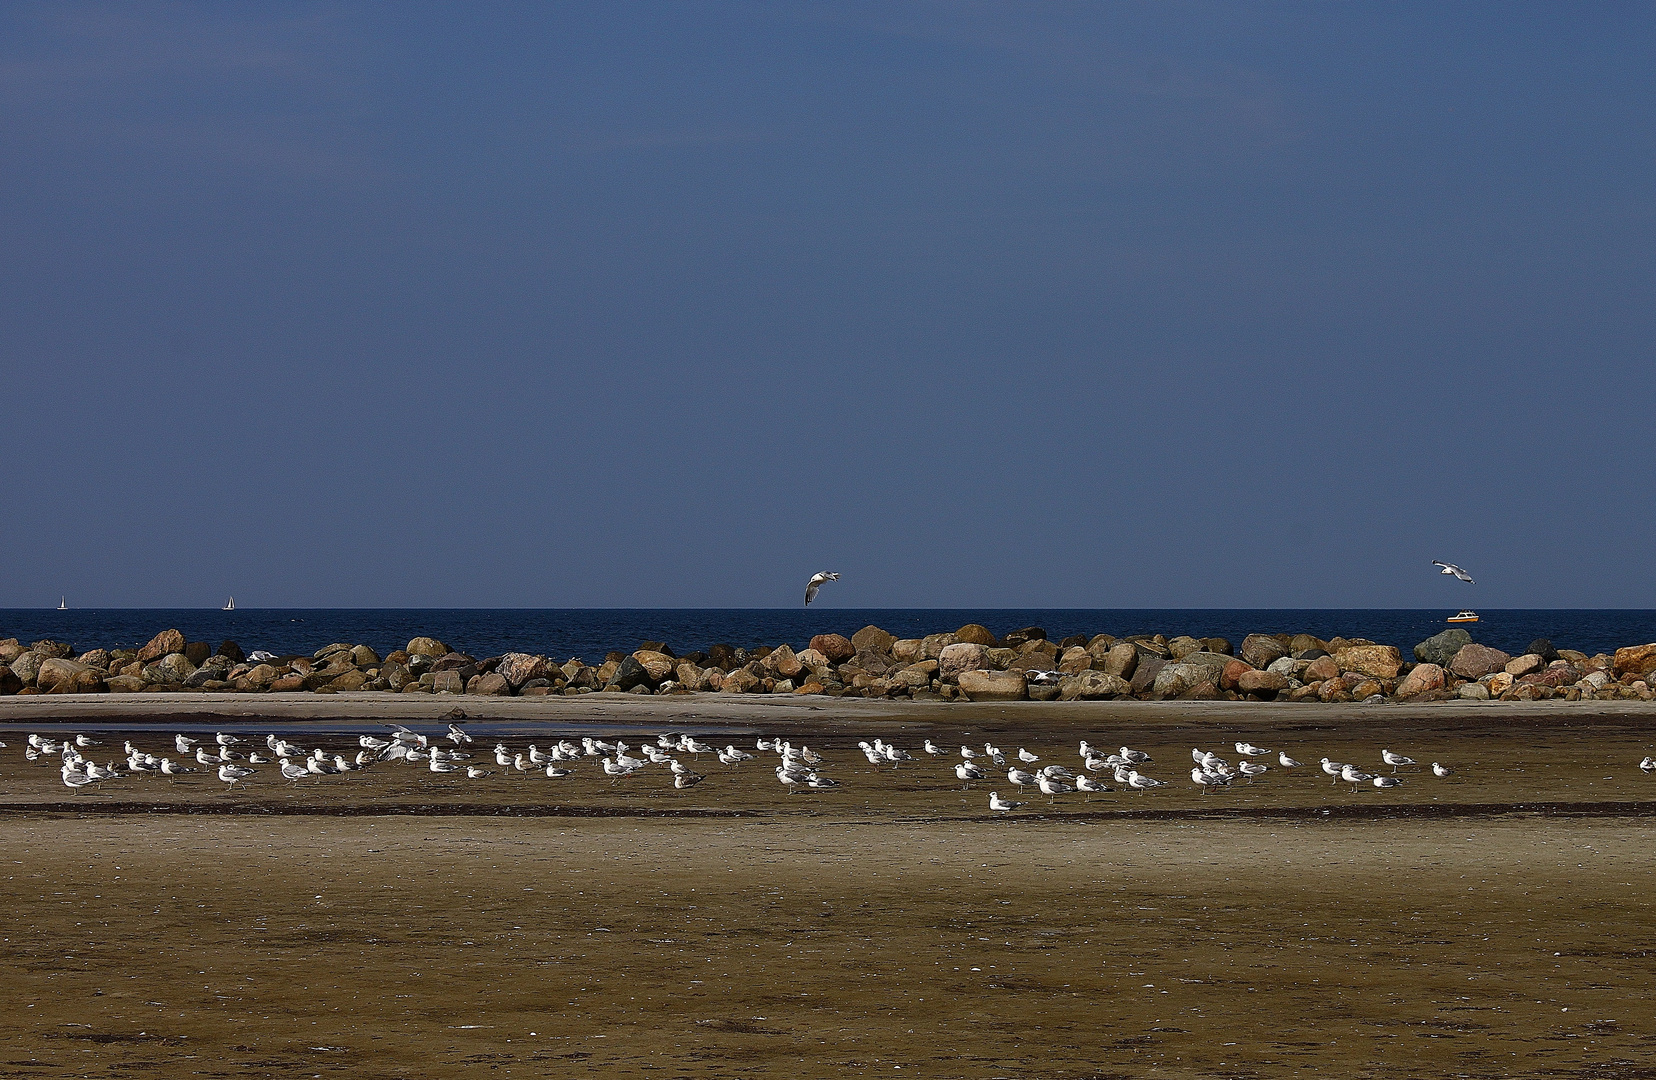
(233, 761)
(798, 767)
(1210, 771)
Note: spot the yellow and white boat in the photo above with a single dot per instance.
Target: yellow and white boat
(1465, 616)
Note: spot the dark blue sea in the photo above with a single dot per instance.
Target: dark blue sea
(591, 632)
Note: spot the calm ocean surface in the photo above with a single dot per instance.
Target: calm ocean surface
(591, 632)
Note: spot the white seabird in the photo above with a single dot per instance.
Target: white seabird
(1440, 771)
(1648, 765)
(1090, 786)
(1250, 750)
(232, 773)
(1019, 778)
(932, 748)
(1286, 762)
(966, 772)
(1139, 782)
(1451, 568)
(1394, 760)
(294, 772)
(1387, 781)
(1052, 788)
(1207, 779)
(1351, 774)
(1026, 757)
(817, 581)
(1003, 805)
(1251, 769)
(1134, 757)
(1332, 768)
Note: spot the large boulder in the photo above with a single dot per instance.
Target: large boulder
(59, 676)
(1423, 679)
(1121, 659)
(27, 666)
(1182, 646)
(364, 656)
(1523, 665)
(660, 667)
(1144, 675)
(1474, 661)
(1177, 677)
(51, 649)
(1636, 659)
(1075, 660)
(872, 639)
(1544, 649)
(1321, 669)
(1380, 661)
(836, 647)
(740, 681)
(629, 673)
(1093, 686)
(1018, 637)
(932, 645)
(975, 634)
(993, 685)
(1259, 650)
(1214, 662)
(959, 657)
(167, 641)
(1441, 648)
(782, 662)
(518, 668)
(172, 668)
(427, 646)
(493, 684)
(1261, 682)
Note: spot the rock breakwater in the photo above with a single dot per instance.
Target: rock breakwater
(968, 664)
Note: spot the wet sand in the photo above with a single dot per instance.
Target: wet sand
(396, 924)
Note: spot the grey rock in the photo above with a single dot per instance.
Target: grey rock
(1441, 648)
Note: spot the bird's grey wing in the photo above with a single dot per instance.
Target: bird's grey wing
(810, 593)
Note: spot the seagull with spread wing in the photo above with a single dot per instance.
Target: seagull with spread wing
(817, 581)
(1451, 568)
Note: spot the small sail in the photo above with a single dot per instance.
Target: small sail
(231, 606)
(63, 603)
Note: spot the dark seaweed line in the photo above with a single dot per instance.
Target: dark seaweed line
(1304, 813)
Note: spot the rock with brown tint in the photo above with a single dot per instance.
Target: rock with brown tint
(1320, 669)
(836, 647)
(1260, 650)
(1423, 678)
(872, 639)
(1254, 681)
(959, 657)
(1474, 661)
(1379, 661)
(1636, 659)
(167, 641)
(993, 685)
(427, 646)
(975, 634)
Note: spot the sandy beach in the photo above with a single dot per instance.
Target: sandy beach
(393, 923)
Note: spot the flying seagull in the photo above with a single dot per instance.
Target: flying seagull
(816, 582)
(1451, 568)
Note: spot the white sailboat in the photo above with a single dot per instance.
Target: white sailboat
(231, 606)
(63, 603)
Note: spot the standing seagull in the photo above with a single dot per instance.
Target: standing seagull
(816, 582)
(1451, 568)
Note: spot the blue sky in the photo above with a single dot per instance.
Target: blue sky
(981, 304)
